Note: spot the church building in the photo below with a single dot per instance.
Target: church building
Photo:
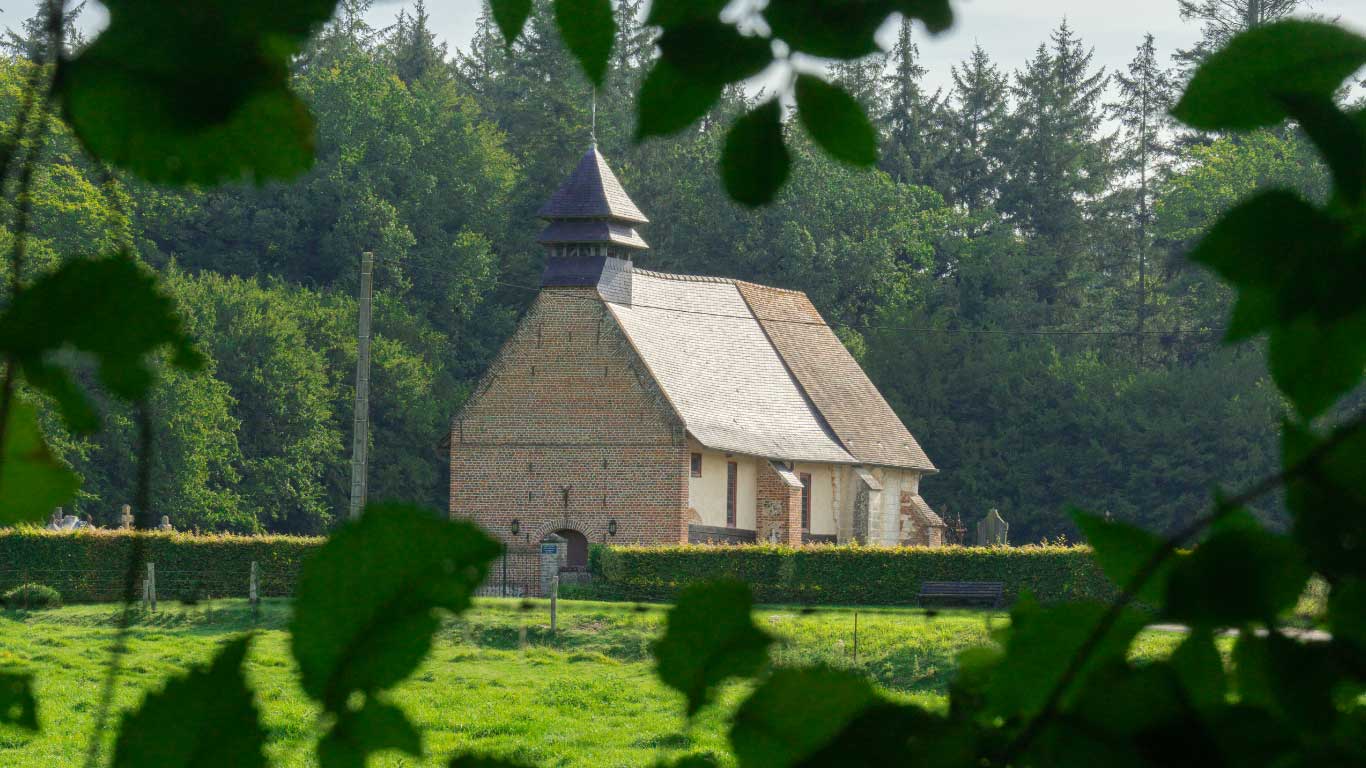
(639, 407)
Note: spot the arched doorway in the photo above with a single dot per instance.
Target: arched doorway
(578, 549)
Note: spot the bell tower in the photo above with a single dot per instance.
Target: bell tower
(591, 226)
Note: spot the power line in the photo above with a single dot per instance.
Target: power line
(852, 326)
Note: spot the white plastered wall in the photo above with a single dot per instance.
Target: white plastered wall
(707, 494)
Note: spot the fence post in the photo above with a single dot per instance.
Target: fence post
(152, 585)
(253, 589)
(554, 602)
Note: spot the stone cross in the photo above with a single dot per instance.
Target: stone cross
(992, 531)
(126, 517)
(165, 524)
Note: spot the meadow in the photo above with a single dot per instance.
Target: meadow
(496, 682)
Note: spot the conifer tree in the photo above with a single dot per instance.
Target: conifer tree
(1057, 163)
(975, 115)
(914, 148)
(413, 46)
(1146, 93)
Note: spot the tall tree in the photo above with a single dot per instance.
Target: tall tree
(975, 116)
(413, 47)
(1057, 162)
(1146, 93)
(914, 150)
(1220, 20)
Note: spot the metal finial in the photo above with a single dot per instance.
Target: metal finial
(593, 127)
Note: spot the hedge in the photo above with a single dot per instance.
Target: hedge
(90, 565)
(847, 575)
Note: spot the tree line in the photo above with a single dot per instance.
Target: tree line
(1012, 274)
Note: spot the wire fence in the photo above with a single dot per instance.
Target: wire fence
(107, 585)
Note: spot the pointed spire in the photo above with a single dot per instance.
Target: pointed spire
(591, 221)
(592, 192)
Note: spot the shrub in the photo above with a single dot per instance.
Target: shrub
(32, 596)
(849, 574)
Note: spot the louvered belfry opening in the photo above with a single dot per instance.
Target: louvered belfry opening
(590, 223)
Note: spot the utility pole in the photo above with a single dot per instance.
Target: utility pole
(360, 442)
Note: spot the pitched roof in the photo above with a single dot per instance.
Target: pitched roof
(862, 420)
(592, 192)
(716, 366)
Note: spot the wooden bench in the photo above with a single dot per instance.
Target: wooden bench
(963, 592)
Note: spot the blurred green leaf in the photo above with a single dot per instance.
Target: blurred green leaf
(588, 30)
(670, 101)
(754, 161)
(1316, 361)
(364, 611)
(1327, 501)
(18, 707)
(887, 734)
(1244, 84)
(1122, 550)
(714, 53)
(1241, 573)
(510, 16)
(1347, 613)
(1123, 701)
(1288, 677)
(710, 636)
(842, 29)
(32, 481)
(1200, 670)
(1038, 644)
(1267, 242)
(202, 719)
(836, 121)
(1339, 138)
(375, 727)
(671, 13)
(846, 29)
(110, 308)
(795, 713)
(194, 92)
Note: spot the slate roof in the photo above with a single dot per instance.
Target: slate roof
(753, 369)
(591, 231)
(592, 192)
(851, 404)
(716, 366)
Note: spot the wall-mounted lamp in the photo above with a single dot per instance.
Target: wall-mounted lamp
(612, 527)
(516, 527)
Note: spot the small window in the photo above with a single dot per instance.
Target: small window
(697, 465)
(731, 483)
(806, 501)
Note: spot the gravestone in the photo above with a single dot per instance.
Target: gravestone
(126, 517)
(992, 531)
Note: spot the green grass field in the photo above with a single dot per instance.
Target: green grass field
(585, 697)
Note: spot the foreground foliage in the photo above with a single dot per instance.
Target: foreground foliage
(1058, 684)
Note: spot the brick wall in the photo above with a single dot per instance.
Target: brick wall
(778, 510)
(568, 430)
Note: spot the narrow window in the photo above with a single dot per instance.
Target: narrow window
(731, 471)
(697, 465)
(806, 501)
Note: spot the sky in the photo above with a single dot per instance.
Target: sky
(1009, 30)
